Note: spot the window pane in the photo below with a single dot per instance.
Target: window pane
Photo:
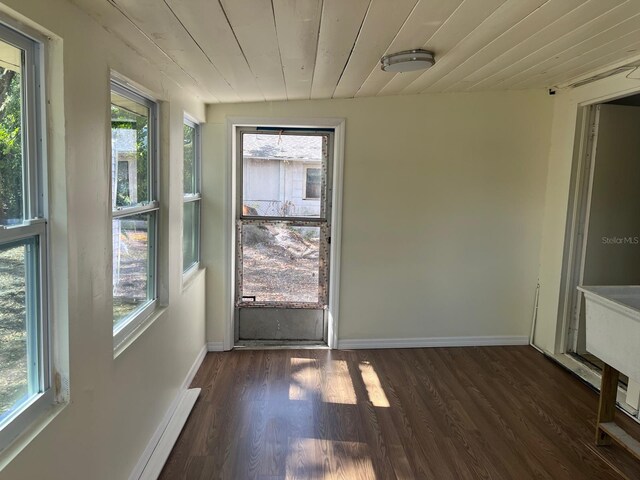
(190, 166)
(11, 166)
(129, 152)
(190, 234)
(313, 183)
(273, 170)
(281, 263)
(18, 305)
(133, 260)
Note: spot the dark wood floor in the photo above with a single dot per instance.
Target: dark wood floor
(439, 413)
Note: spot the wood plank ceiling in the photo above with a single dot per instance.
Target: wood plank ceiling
(257, 50)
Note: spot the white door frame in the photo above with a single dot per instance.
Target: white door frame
(578, 221)
(575, 248)
(568, 148)
(338, 124)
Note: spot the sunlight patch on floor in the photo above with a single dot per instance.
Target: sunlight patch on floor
(339, 387)
(374, 388)
(348, 459)
(304, 383)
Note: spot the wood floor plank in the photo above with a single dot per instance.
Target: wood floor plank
(419, 437)
(517, 423)
(499, 449)
(537, 408)
(466, 434)
(560, 423)
(446, 413)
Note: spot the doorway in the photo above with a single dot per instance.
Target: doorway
(283, 235)
(607, 238)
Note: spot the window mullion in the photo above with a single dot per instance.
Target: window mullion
(30, 136)
(26, 171)
(32, 297)
(138, 210)
(154, 157)
(192, 198)
(19, 232)
(43, 310)
(197, 165)
(152, 284)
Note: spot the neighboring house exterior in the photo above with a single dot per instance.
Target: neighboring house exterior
(124, 185)
(283, 174)
(123, 151)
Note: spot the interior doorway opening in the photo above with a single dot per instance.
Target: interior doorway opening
(605, 242)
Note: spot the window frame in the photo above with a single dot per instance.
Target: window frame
(304, 181)
(33, 226)
(124, 329)
(196, 197)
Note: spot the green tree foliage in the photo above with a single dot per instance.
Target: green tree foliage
(10, 146)
(189, 158)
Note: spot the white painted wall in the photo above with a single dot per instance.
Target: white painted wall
(448, 245)
(549, 333)
(116, 404)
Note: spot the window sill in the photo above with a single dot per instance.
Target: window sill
(130, 332)
(30, 433)
(190, 275)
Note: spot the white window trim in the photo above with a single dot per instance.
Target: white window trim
(34, 226)
(123, 331)
(304, 181)
(188, 272)
(131, 326)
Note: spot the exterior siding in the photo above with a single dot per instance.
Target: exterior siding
(274, 187)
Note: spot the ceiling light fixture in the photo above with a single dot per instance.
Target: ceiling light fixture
(407, 61)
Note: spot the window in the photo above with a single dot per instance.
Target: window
(25, 381)
(312, 183)
(191, 182)
(135, 206)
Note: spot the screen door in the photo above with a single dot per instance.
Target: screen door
(283, 222)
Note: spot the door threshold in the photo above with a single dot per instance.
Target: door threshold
(280, 345)
(592, 377)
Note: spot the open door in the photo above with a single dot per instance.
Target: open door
(611, 253)
(611, 226)
(283, 224)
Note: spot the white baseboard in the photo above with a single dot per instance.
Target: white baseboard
(215, 346)
(170, 435)
(157, 435)
(432, 342)
(194, 368)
